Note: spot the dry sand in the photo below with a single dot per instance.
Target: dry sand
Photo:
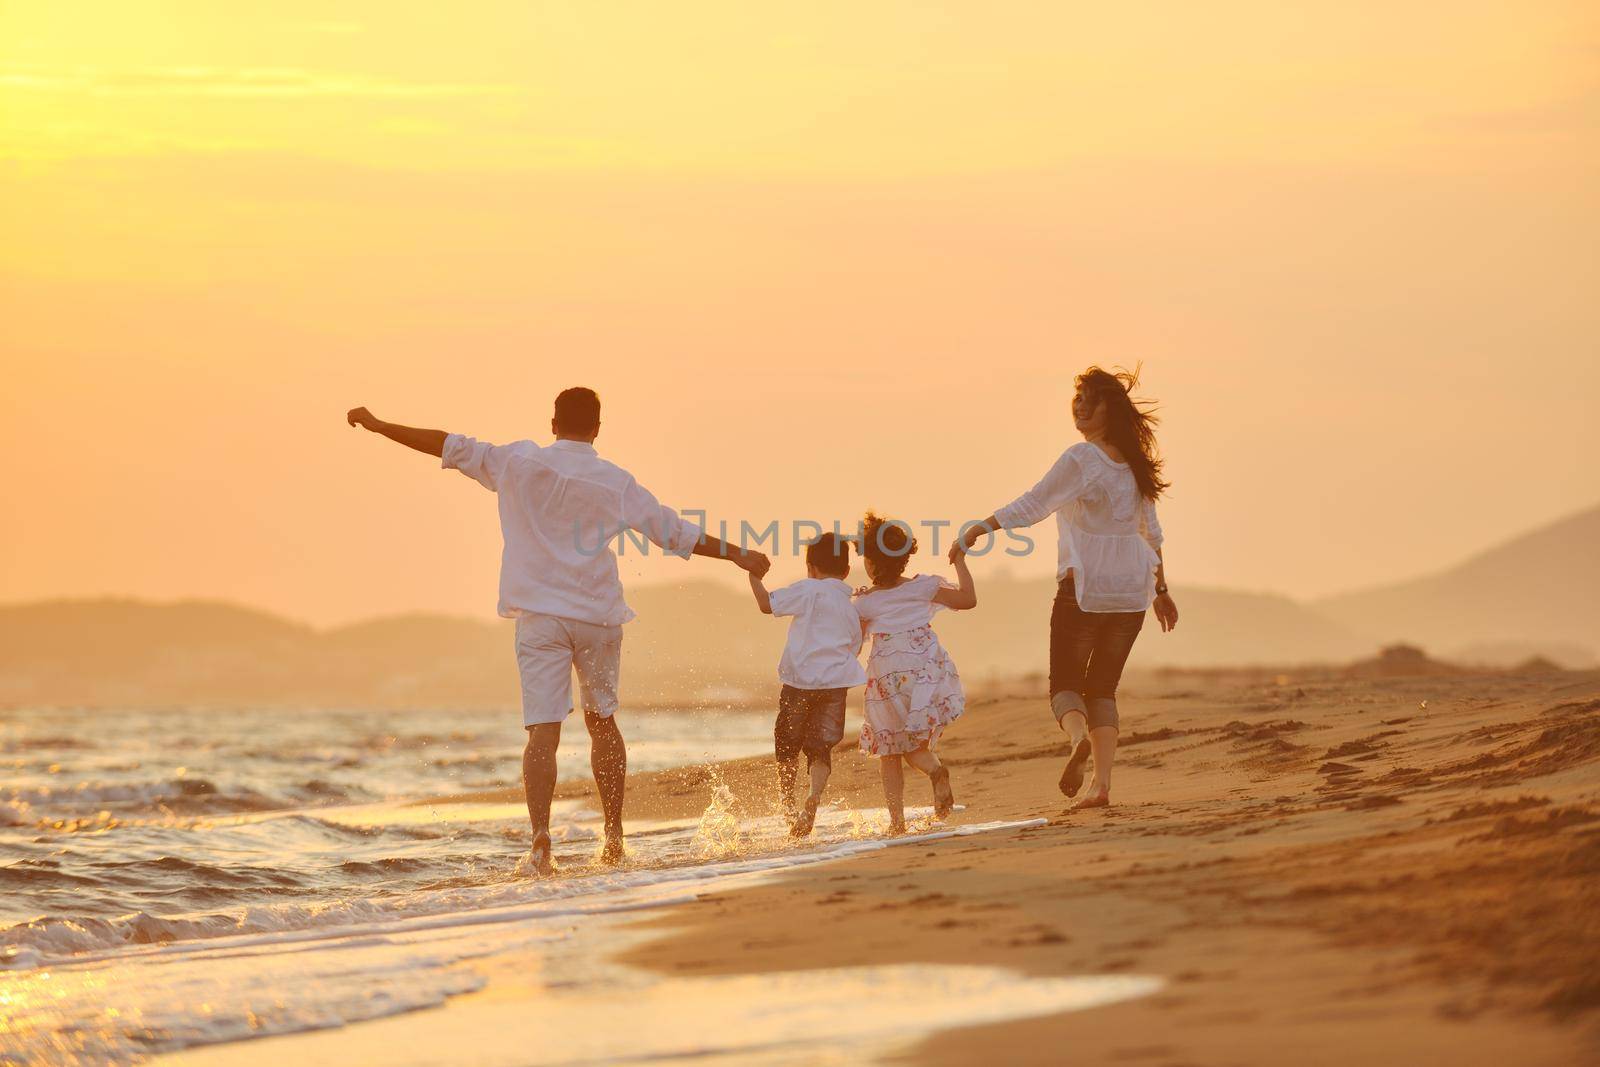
(1327, 869)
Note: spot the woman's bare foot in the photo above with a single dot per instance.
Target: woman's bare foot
(1072, 775)
(897, 829)
(537, 863)
(805, 818)
(944, 798)
(1094, 798)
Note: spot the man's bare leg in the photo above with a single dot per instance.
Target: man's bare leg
(1103, 740)
(539, 784)
(608, 758)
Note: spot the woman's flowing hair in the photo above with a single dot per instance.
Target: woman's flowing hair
(1131, 424)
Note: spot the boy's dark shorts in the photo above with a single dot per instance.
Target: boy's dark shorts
(809, 721)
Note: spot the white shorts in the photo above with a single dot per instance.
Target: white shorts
(549, 649)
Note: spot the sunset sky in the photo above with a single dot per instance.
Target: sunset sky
(814, 257)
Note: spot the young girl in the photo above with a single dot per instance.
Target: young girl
(913, 691)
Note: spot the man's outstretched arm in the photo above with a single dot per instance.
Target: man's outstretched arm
(755, 563)
(429, 441)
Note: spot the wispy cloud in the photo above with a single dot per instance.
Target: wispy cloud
(339, 28)
(242, 82)
(1577, 113)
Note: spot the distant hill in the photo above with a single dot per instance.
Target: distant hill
(1540, 590)
(706, 642)
(1008, 634)
(691, 643)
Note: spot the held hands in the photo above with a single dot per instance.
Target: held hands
(755, 563)
(958, 550)
(363, 418)
(1166, 612)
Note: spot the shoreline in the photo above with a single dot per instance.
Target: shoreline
(1403, 869)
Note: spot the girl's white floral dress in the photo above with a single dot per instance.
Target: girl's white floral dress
(913, 690)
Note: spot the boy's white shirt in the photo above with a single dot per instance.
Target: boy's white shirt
(825, 637)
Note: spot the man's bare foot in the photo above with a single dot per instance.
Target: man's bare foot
(1094, 798)
(1072, 776)
(897, 829)
(537, 863)
(805, 818)
(613, 852)
(944, 798)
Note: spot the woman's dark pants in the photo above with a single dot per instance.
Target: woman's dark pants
(1087, 652)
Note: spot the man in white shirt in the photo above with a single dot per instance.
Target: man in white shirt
(561, 506)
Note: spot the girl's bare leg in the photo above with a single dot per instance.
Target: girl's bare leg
(923, 760)
(894, 791)
(926, 762)
(1103, 740)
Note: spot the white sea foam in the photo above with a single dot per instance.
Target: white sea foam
(285, 969)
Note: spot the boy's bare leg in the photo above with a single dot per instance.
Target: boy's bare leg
(820, 772)
(788, 771)
(894, 791)
(539, 786)
(806, 817)
(608, 758)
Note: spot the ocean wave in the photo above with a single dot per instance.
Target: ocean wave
(53, 936)
(60, 743)
(41, 874)
(180, 793)
(492, 894)
(390, 865)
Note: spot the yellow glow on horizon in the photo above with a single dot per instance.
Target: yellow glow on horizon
(747, 225)
(859, 90)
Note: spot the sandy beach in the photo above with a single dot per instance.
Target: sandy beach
(1318, 866)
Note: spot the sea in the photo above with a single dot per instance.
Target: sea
(188, 879)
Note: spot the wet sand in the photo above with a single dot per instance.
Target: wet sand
(1323, 868)
(1325, 865)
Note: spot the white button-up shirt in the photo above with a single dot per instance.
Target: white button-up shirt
(824, 638)
(1108, 531)
(561, 506)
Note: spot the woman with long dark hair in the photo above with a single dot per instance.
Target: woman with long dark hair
(1103, 493)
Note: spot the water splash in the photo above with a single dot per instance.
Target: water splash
(721, 834)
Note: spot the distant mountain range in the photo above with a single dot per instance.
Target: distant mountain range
(1540, 589)
(704, 642)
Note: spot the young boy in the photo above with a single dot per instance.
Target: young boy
(820, 663)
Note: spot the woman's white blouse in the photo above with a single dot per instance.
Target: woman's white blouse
(1108, 531)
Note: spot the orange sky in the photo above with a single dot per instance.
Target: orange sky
(814, 257)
